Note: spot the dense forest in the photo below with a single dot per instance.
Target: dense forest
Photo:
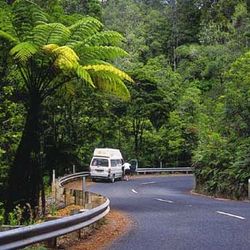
(166, 82)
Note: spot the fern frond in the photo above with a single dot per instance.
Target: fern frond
(26, 15)
(84, 29)
(84, 75)
(109, 68)
(6, 18)
(100, 52)
(105, 38)
(52, 33)
(23, 51)
(94, 61)
(111, 85)
(49, 48)
(66, 58)
(8, 37)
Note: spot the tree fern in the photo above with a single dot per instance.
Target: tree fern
(5, 18)
(49, 48)
(8, 37)
(105, 38)
(52, 33)
(111, 84)
(23, 51)
(26, 15)
(108, 68)
(99, 52)
(83, 29)
(50, 56)
(84, 75)
(66, 58)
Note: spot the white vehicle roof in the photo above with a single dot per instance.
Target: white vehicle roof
(108, 152)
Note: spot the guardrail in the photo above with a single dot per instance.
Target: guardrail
(25, 236)
(160, 170)
(70, 177)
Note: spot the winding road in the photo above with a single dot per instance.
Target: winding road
(168, 216)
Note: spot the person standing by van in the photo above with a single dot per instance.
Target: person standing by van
(126, 171)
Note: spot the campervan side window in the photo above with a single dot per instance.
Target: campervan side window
(116, 163)
(100, 162)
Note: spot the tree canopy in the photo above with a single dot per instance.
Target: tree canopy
(66, 69)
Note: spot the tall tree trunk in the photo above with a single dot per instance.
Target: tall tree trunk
(25, 173)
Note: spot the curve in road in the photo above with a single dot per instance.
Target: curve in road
(168, 216)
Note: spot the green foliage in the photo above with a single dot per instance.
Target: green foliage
(49, 56)
(2, 212)
(84, 7)
(16, 216)
(25, 16)
(189, 104)
(11, 119)
(52, 209)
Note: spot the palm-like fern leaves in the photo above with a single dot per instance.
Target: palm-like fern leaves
(26, 15)
(66, 58)
(105, 38)
(83, 29)
(81, 50)
(50, 56)
(8, 37)
(23, 51)
(108, 69)
(84, 75)
(99, 52)
(51, 33)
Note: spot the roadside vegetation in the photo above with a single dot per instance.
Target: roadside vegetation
(66, 70)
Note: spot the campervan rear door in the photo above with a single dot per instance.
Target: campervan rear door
(99, 167)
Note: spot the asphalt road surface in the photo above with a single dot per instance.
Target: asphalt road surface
(168, 216)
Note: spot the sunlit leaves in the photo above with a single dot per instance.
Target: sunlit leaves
(66, 58)
(110, 69)
(84, 75)
(23, 51)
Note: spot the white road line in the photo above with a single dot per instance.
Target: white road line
(134, 191)
(232, 215)
(167, 201)
(146, 183)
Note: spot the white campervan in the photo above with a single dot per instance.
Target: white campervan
(106, 163)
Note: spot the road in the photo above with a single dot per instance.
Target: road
(168, 216)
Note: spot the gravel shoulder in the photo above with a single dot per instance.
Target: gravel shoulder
(101, 236)
(98, 237)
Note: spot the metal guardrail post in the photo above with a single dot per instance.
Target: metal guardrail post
(87, 200)
(249, 189)
(83, 183)
(53, 185)
(52, 243)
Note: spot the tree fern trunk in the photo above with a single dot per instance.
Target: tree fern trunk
(25, 173)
